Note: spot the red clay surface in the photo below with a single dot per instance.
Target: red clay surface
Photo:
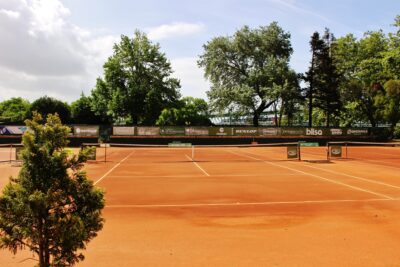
(243, 207)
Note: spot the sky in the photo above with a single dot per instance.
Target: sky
(58, 47)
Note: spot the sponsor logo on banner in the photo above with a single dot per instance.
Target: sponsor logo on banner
(245, 131)
(196, 131)
(357, 131)
(270, 131)
(123, 130)
(336, 131)
(293, 131)
(314, 132)
(292, 152)
(220, 131)
(336, 151)
(172, 130)
(148, 130)
(86, 130)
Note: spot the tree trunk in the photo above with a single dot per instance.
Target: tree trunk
(255, 119)
(310, 106)
(327, 119)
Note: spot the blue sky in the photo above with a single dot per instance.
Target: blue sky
(58, 47)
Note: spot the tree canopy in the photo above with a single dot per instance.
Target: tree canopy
(51, 208)
(191, 111)
(245, 68)
(137, 82)
(48, 105)
(14, 110)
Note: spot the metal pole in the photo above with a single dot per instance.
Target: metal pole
(193, 153)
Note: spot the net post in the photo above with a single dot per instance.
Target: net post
(11, 149)
(105, 154)
(327, 151)
(346, 150)
(298, 150)
(193, 153)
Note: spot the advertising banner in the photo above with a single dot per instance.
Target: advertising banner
(293, 131)
(123, 130)
(357, 131)
(269, 131)
(172, 130)
(245, 131)
(86, 130)
(148, 130)
(13, 129)
(196, 131)
(221, 131)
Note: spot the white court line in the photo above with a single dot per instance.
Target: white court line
(197, 165)
(115, 166)
(191, 175)
(267, 203)
(319, 177)
(356, 177)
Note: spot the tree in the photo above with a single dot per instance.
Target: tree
(82, 113)
(191, 111)
(51, 207)
(322, 78)
(361, 64)
(14, 110)
(137, 82)
(48, 105)
(244, 68)
(390, 102)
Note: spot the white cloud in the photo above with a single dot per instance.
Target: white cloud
(46, 54)
(175, 30)
(191, 76)
(9, 13)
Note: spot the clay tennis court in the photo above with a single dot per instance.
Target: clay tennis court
(243, 207)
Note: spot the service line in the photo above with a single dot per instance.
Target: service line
(113, 168)
(318, 177)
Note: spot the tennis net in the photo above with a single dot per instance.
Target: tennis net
(364, 150)
(176, 152)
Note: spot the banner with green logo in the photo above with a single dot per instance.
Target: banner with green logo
(172, 130)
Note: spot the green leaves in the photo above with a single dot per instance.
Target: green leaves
(137, 83)
(244, 68)
(52, 208)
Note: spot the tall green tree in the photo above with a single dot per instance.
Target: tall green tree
(14, 110)
(322, 78)
(51, 208)
(361, 64)
(82, 112)
(245, 68)
(137, 82)
(191, 111)
(48, 105)
(389, 100)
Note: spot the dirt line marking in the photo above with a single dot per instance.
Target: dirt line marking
(113, 168)
(198, 166)
(318, 177)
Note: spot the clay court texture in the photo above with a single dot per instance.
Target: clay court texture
(237, 206)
